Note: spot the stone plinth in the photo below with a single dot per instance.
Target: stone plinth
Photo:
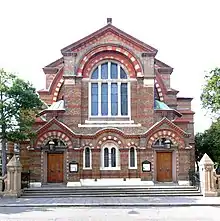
(13, 185)
(206, 168)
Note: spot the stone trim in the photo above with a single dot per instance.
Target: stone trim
(118, 49)
(166, 133)
(159, 90)
(170, 124)
(57, 89)
(54, 134)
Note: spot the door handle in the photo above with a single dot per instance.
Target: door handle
(167, 170)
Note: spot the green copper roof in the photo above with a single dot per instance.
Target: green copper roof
(161, 106)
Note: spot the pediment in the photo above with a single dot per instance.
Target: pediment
(167, 124)
(109, 34)
(55, 125)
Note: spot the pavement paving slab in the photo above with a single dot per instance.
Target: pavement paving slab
(110, 201)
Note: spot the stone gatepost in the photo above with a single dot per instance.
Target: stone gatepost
(13, 185)
(206, 168)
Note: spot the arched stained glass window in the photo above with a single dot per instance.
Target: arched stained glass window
(109, 91)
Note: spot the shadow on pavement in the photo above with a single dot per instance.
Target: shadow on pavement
(14, 210)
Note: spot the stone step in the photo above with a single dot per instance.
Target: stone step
(110, 192)
(101, 188)
(109, 195)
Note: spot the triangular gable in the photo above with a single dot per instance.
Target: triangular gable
(59, 124)
(114, 30)
(170, 124)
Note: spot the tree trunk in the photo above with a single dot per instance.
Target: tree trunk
(4, 157)
(3, 138)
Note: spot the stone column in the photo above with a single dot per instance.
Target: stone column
(13, 185)
(206, 167)
(69, 63)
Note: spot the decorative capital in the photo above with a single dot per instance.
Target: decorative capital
(69, 54)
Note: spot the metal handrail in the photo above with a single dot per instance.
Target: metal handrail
(194, 179)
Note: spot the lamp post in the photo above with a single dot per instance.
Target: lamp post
(51, 145)
(167, 143)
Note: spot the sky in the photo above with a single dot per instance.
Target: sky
(185, 32)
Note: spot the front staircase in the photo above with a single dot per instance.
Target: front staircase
(113, 191)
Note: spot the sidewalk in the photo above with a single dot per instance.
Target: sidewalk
(110, 202)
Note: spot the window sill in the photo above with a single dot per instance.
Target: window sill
(93, 123)
(132, 168)
(109, 121)
(87, 168)
(110, 168)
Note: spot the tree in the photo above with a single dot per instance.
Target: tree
(19, 104)
(210, 96)
(209, 142)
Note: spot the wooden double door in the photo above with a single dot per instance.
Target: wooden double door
(164, 167)
(55, 167)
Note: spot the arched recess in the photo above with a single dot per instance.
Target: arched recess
(43, 139)
(109, 139)
(109, 48)
(168, 134)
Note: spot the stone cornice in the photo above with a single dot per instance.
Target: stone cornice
(104, 30)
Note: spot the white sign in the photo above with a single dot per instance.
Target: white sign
(146, 167)
(73, 168)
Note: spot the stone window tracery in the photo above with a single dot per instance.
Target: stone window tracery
(110, 157)
(109, 91)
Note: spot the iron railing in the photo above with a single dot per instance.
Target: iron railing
(194, 179)
(25, 179)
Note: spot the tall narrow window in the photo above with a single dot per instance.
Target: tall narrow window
(87, 157)
(124, 99)
(106, 158)
(94, 94)
(113, 157)
(114, 99)
(109, 91)
(110, 157)
(132, 157)
(104, 99)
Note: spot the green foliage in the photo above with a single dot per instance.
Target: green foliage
(211, 91)
(19, 103)
(209, 142)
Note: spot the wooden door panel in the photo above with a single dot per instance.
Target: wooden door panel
(164, 166)
(55, 168)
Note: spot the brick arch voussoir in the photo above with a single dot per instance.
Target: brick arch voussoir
(57, 90)
(109, 138)
(105, 136)
(109, 131)
(97, 59)
(166, 133)
(136, 64)
(159, 89)
(44, 138)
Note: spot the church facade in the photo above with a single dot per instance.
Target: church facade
(110, 113)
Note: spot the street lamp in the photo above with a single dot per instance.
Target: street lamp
(51, 145)
(167, 143)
